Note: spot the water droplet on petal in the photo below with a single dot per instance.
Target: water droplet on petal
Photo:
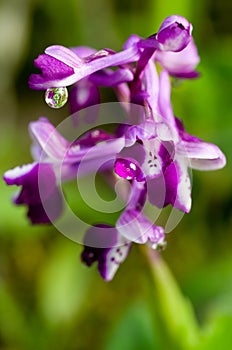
(127, 169)
(56, 97)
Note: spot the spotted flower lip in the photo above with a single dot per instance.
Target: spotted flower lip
(106, 246)
(109, 246)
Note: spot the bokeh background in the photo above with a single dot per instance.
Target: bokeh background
(48, 299)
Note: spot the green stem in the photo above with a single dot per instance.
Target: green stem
(174, 311)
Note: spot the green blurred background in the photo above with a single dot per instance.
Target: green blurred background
(48, 299)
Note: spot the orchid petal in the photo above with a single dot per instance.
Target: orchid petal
(183, 199)
(83, 95)
(165, 106)
(82, 69)
(199, 150)
(64, 55)
(180, 64)
(109, 78)
(83, 51)
(152, 86)
(114, 252)
(39, 191)
(163, 190)
(50, 141)
(209, 164)
(136, 227)
(131, 41)
(157, 156)
(174, 33)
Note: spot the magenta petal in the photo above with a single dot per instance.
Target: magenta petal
(65, 55)
(52, 70)
(39, 192)
(107, 247)
(174, 187)
(174, 33)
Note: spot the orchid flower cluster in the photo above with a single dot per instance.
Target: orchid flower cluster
(153, 155)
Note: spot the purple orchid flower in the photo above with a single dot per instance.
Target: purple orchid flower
(55, 160)
(61, 66)
(153, 152)
(173, 35)
(160, 152)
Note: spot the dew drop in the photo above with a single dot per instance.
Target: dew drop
(56, 97)
(127, 169)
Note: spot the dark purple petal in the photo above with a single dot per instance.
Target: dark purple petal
(174, 33)
(51, 68)
(39, 191)
(104, 245)
(163, 190)
(173, 188)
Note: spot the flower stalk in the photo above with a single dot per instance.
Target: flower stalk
(175, 312)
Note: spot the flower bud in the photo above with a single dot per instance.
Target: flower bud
(174, 33)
